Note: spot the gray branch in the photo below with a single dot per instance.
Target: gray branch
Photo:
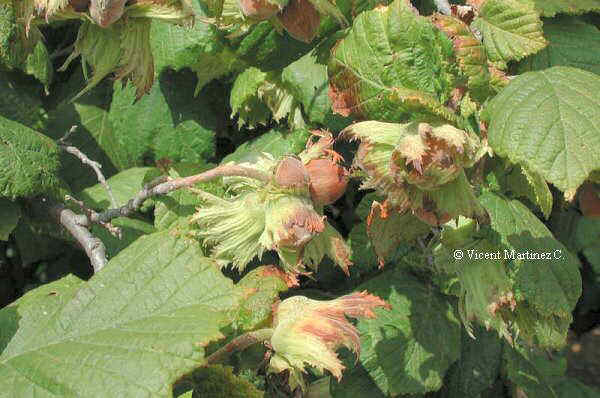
(92, 216)
(163, 186)
(87, 161)
(78, 226)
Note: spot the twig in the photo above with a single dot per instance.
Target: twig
(164, 186)
(93, 217)
(77, 225)
(85, 160)
(443, 6)
(240, 343)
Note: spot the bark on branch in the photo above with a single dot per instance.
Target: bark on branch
(87, 161)
(78, 226)
(163, 186)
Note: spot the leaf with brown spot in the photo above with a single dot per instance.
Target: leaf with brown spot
(470, 52)
(392, 65)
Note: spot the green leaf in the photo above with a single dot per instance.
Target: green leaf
(485, 290)
(19, 102)
(35, 245)
(552, 286)
(540, 193)
(586, 233)
(100, 48)
(133, 329)
(198, 47)
(131, 229)
(388, 231)
(10, 213)
(571, 42)
(478, 366)
(17, 39)
(470, 52)
(523, 183)
(511, 30)
(266, 48)
(259, 97)
(28, 161)
(457, 198)
(8, 33)
(124, 185)
(549, 8)
(573, 388)
(393, 65)
(307, 81)
(136, 63)
(363, 254)
(168, 122)
(39, 65)
(549, 121)
(176, 208)
(94, 135)
(276, 142)
(218, 381)
(356, 383)
(403, 350)
(260, 289)
(532, 371)
(245, 99)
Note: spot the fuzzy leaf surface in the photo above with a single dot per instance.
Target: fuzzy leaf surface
(549, 121)
(132, 329)
(28, 161)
